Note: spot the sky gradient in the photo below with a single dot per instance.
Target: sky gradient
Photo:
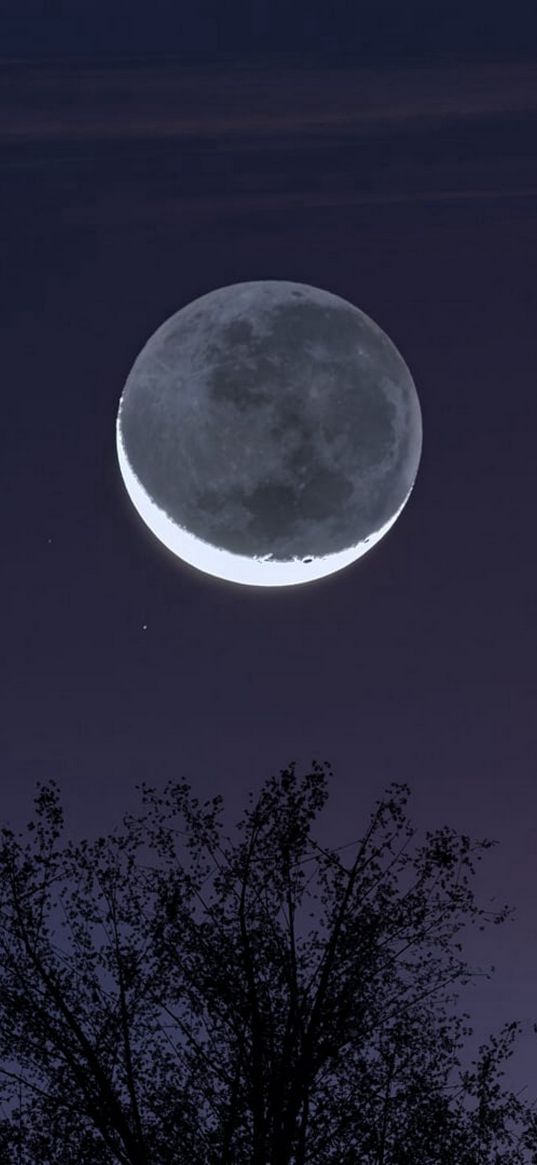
(129, 189)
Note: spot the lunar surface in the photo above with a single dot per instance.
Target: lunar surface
(269, 433)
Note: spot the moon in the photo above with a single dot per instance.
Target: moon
(269, 433)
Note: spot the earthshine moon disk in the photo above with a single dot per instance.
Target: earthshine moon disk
(269, 433)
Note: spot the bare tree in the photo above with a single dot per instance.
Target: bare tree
(166, 997)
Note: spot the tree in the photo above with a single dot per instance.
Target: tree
(165, 996)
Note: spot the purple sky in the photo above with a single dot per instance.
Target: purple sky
(130, 190)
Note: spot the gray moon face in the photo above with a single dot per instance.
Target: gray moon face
(269, 433)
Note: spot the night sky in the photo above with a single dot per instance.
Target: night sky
(148, 160)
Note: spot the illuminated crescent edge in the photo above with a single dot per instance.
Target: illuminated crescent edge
(238, 568)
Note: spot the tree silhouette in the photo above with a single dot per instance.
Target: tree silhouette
(166, 997)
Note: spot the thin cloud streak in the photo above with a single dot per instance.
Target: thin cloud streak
(169, 210)
(128, 102)
(171, 147)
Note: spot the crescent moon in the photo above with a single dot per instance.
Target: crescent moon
(269, 433)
